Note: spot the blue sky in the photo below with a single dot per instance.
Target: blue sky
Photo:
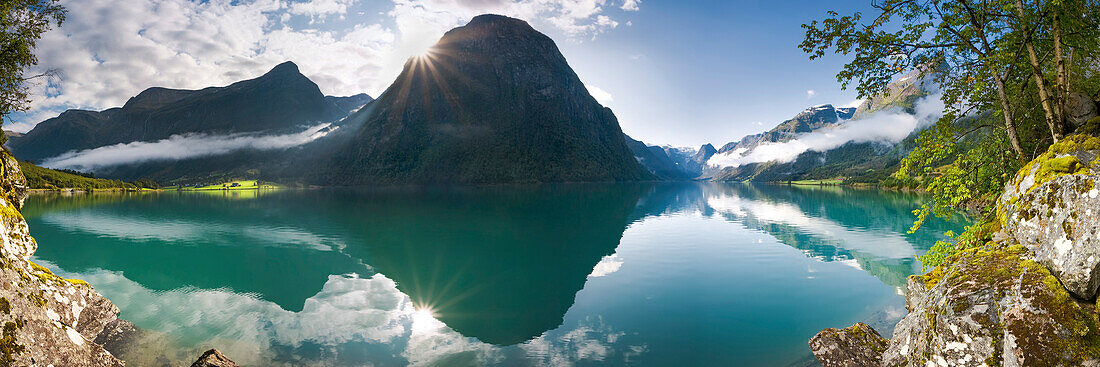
(675, 72)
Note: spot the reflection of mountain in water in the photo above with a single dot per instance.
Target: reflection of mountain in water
(865, 228)
(250, 246)
(502, 264)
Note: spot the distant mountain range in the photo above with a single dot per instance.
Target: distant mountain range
(493, 101)
(864, 161)
(279, 100)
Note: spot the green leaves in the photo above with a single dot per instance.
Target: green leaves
(22, 23)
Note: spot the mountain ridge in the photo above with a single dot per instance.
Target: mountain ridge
(282, 98)
(493, 101)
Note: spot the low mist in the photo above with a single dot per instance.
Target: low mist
(888, 126)
(179, 147)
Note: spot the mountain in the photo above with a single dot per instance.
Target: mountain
(902, 93)
(282, 98)
(350, 103)
(864, 161)
(809, 120)
(656, 160)
(703, 154)
(493, 101)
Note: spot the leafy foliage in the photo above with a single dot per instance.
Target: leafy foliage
(22, 23)
(1005, 70)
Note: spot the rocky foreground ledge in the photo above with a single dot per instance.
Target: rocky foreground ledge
(48, 320)
(1027, 297)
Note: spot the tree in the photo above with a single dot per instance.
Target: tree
(22, 23)
(960, 44)
(1012, 61)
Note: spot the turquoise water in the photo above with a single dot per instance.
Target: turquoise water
(640, 274)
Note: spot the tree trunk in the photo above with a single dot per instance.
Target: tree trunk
(1010, 123)
(1037, 71)
(1063, 76)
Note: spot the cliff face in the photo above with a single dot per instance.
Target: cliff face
(1027, 297)
(47, 320)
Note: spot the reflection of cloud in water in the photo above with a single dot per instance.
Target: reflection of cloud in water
(349, 311)
(135, 229)
(607, 265)
(880, 244)
(851, 262)
(591, 341)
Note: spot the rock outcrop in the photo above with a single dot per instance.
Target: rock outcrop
(1026, 297)
(857, 345)
(47, 320)
(1080, 108)
(1053, 207)
(213, 358)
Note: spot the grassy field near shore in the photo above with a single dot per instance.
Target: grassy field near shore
(232, 185)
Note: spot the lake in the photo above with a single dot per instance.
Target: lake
(571, 274)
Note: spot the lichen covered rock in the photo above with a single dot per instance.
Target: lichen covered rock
(1053, 208)
(856, 345)
(1027, 297)
(993, 306)
(46, 319)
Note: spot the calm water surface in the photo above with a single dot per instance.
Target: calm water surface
(648, 275)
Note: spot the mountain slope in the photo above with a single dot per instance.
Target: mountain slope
(493, 101)
(655, 160)
(863, 161)
(280, 99)
(809, 120)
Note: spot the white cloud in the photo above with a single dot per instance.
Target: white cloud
(810, 93)
(884, 126)
(630, 5)
(180, 147)
(320, 7)
(600, 95)
(108, 53)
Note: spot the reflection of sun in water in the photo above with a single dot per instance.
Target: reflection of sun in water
(423, 321)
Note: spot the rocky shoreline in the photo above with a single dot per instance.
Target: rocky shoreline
(48, 320)
(1025, 297)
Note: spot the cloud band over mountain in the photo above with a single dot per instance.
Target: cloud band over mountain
(888, 126)
(179, 147)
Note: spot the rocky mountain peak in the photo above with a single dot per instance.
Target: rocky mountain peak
(492, 101)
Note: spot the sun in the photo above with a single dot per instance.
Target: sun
(423, 321)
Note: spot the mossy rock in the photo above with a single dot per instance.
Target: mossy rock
(856, 345)
(1053, 208)
(993, 305)
(1092, 127)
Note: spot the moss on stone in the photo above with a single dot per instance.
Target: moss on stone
(9, 346)
(46, 276)
(1091, 127)
(1055, 162)
(5, 306)
(78, 282)
(38, 299)
(1054, 330)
